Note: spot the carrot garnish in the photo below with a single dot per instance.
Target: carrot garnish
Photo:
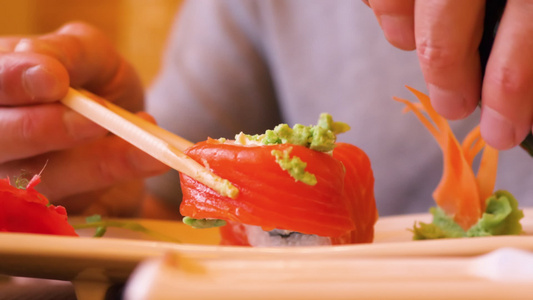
(461, 194)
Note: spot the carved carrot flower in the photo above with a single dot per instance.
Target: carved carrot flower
(465, 198)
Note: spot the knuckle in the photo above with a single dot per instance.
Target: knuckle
(437, 56)
(510, 80)
(7, 44)
(75, 27)
(34, 130)
(29, 127)
(11, 70)
(381, 7)
(43, 125)
(66, 49)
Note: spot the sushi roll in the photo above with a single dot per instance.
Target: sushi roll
(294, 191)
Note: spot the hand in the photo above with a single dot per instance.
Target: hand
(446, 34)
(87, 169)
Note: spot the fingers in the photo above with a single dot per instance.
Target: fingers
(7, 44)
(82, 159)
(396, 19)
(31, 78)
(93, 63)
(101, 164)
(36, 129)
(447, 39)
(122, 200)
(76, 49)
(507, 99)
(92, 166)
(447, 36)
(83, 50)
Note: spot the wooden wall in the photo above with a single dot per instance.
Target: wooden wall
(137, 27)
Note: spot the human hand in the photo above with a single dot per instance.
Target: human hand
(446, 35)
(87, 169)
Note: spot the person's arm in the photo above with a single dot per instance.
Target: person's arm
(83, 167)
(214, 81)
(446, 35)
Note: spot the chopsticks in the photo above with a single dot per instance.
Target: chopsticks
(156, 141)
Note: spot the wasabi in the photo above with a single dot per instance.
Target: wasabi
(295, 166)
(203, 223)
(320, 137)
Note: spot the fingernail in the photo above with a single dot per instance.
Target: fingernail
(40, 83)
(81, 128)
(399, 31)
(449, 104)
(496, 129)
(146, 163)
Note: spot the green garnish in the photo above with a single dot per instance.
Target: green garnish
(320, 137)
(501, 217)
(22, 180)
(326, 121)
(294, 166)
(203, 223)
(95, 221)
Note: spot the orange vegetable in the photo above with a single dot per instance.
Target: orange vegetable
(460, 193)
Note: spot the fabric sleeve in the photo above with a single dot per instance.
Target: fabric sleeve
(214, 81)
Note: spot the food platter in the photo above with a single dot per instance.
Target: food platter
(117, 254)
(112, 259)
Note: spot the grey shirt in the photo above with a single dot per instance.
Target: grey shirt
(247, 65)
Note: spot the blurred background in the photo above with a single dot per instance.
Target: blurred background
(137, 27)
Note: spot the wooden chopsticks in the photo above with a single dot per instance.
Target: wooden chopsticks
(156, 141)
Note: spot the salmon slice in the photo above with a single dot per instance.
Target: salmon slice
(268, 196)
(358, 192)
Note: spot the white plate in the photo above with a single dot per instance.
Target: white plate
(113, 258)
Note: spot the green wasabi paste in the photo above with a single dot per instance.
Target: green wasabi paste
(295, 166)
(320, 137)
(203, 223)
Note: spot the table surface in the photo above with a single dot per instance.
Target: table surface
(32, 288)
